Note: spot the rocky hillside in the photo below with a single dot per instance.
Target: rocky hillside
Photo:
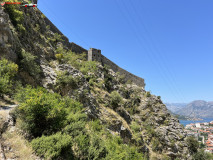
(71, 108)
(199, 109)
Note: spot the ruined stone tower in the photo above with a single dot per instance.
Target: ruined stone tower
(94, 55)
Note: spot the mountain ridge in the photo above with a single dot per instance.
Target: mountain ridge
(194, 109)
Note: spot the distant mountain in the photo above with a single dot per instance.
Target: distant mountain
(174, 107)
(198, 108)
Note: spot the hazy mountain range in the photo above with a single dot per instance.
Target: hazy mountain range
(198, 109)
(174, 107)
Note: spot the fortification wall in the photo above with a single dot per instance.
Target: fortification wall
(76, 48)
(95, 54)
(128, 76)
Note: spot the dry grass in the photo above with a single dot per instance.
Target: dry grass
(3, 117)
(21, 148)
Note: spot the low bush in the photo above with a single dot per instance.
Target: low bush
(74, 59)
(57, 146)
(108, 79)
(29, 64)
(16, 15)
(59, 57)
(65, 82)
(115, 99)
(193, 144)
(156, 145)
(202, 155)
(41, 112)
(97, 149)
(148, 94)
(117, 150)
(7, 71)
(89, 66)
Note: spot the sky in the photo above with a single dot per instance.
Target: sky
(168, 43)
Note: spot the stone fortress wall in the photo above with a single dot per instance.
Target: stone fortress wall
(95, 55)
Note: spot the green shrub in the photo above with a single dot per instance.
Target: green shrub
(21, 28)
(81, 142)
(156, 145)
(129, 81)
(28, 63)
(121, 78)
(96, 125)
(202, 155)
(148, 94)
(7, 71)
(56, 38)
(97, 149)
(89, 66)
(65, 82)
(115, 99)
(16, 16)
(135, 127)
(37, 27)
(117, 150)
(41, 112)
(108, 78)
(59, 57)
(125, 92)
(57, 146)
(48, 27)
(135, 100)
(193, 144)
(75, 123)
(150, 131)
(74, 59)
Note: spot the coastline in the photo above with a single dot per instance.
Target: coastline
(185, 122)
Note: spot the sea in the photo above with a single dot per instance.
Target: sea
(185, 122)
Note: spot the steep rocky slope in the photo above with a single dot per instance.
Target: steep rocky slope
(123, 110)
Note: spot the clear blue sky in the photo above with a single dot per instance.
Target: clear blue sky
(169, 43)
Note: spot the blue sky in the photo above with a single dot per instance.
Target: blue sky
(168, 43)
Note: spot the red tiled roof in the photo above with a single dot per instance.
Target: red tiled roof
(210, 145)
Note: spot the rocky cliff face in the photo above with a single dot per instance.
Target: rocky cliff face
(127, 110)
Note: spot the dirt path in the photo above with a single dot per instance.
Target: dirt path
(5, 121)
